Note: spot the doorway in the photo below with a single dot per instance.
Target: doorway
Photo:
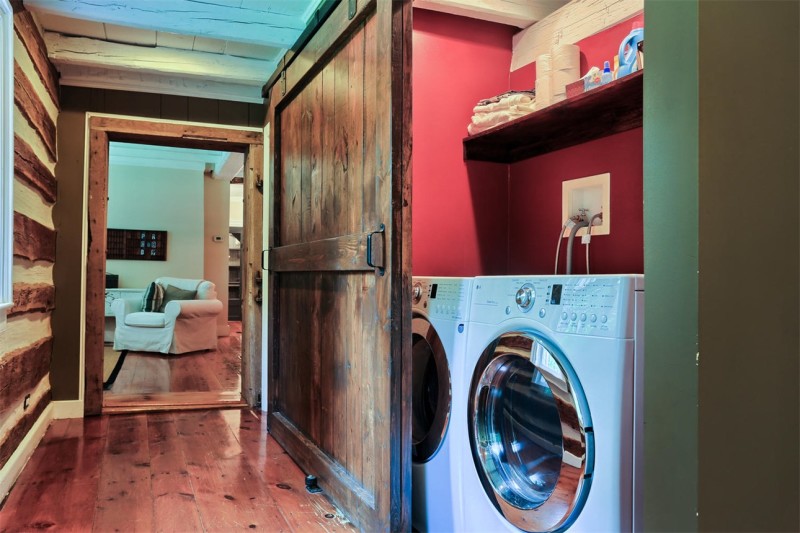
(182, 204)
(104, 129)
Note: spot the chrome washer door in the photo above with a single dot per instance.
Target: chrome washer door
(530, 433)
(430, 385)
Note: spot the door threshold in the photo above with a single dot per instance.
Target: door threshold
(171, 401)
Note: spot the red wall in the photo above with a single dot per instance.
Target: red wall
(459, 209)
(535, 187)
(535, 208)
(472, 218)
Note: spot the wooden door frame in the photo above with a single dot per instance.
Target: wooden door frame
(103, 128)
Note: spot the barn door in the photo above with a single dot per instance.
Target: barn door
(339, 261)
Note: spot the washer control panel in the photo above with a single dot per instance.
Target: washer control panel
(446, 298)
(587, 305)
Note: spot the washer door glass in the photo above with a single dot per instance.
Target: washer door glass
(430, 384)
(530, 433)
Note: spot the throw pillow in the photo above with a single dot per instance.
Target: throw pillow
(153, 296)
(174, 293)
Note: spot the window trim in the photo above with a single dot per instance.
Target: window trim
(6, 156)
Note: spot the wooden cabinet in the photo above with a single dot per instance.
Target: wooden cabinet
(612, 108)
(234, 275)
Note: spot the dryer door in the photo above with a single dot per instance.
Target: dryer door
(430, 401)
(530, 432)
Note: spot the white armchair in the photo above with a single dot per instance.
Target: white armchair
(184, 326)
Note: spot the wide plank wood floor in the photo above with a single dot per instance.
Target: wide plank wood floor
(215, 470)
(200, 379)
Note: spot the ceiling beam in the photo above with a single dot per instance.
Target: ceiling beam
(519, 13)
(266, 22)
(85, 52)
(568, 25)
(122, 80)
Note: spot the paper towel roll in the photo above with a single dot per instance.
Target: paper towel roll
(565, 60)
(565, 56)
(544, 81)
(543, 65)
(544, 90)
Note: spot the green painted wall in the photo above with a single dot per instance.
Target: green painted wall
(722, 261)
(749, 190)
(670, 264)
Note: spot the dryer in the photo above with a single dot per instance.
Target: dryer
(551, 415)
(440, 308)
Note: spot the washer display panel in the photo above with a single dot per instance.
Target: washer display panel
(530, 433)
(430, 385)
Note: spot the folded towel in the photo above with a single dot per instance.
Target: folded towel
(500, 109)
(505, 102)
(499, 117)
(499, 97)
(484, 121)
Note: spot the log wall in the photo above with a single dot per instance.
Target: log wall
(26, 343)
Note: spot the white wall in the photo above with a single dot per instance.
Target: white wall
(158, 199)
(237, 205)
(217, 193)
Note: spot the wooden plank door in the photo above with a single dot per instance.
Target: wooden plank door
(339, 262)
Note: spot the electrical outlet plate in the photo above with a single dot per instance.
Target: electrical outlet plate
(592, 193)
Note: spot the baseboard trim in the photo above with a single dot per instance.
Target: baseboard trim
(67, 409)
(223, 331)
(18, 460)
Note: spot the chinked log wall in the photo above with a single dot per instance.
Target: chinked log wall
(26, 343)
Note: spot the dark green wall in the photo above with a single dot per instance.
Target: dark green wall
(749, 404)
(670, 265)
(722, 263)
(68, 211)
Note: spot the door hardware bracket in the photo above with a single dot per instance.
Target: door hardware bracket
(375, 250)
(283, 83)
(260, 185)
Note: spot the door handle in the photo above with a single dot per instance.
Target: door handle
(375, 250)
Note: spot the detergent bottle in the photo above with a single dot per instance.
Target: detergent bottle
(628, 49)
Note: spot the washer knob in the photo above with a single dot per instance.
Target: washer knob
(525, 297)
(416, 293)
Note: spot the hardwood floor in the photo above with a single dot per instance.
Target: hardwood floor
(152, 381)
(212, 470)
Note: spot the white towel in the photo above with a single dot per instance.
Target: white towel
(484, 121)
(504, 103)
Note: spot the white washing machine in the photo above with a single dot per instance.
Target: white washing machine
(440, 309)
(550, 423)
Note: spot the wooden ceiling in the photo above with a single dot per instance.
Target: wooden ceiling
(221, 49)
(224, 49)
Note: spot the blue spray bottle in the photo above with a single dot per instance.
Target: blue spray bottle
(628, 49)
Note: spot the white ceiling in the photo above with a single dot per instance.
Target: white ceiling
(224, 49)
(221, 49)
(223, 165)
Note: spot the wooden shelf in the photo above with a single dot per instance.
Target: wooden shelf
(606, 110)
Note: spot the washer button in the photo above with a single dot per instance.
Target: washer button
(574, 316)
(604, 319)
(542, 312)
(593, 317)
(583, 317)
(564, 315)
(508, 310)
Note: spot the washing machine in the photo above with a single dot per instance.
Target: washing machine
(440, 309)
(550, 421)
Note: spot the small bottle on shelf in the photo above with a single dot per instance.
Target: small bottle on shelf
(606, 76)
